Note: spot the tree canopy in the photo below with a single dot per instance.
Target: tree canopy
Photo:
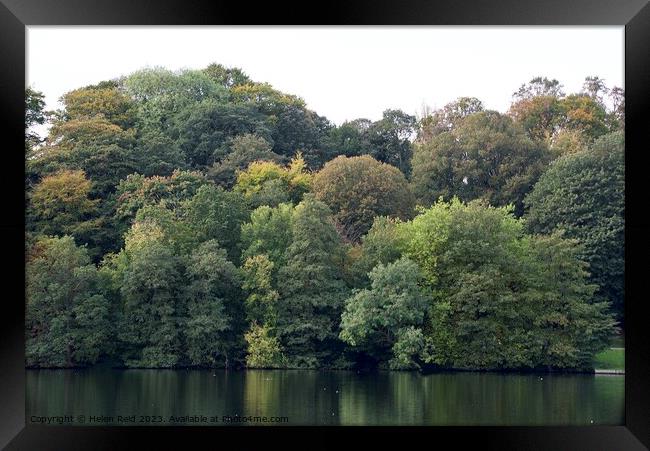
(200, 218)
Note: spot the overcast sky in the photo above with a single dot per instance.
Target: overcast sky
(342, 73)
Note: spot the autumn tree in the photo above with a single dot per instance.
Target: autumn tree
(358, 189)
(268, 183)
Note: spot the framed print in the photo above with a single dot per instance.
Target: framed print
(381, 222)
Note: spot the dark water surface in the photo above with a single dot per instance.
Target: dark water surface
(102, 396)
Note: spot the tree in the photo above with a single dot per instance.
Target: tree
(264, 350)
(137, 191)
(358, 189)
(565, 123)
(311, 289)
(261, 303)
(583, 194)
(106, 102)
(268, 233)
(349, 139)
(539, 86)
(61, 205)
(152, 315)
(267, 183)
(540, 116)
(389, 139)
(486, 156)
(204, 131)
(34, 115)
(242, 151)
(215, 214)
(502, 299)
(66, 318)
(160, 95)
(214, 314)
(446, 118)
(617, 117)
(383, 244)
(376, 320)
(228, 77)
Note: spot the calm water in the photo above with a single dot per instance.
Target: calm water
(324, 398)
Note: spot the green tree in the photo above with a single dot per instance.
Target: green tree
(214, 314)
(268, 233)
(204, 131)
(383, 244)
(243, 150)
(227, 77)
(216, 214)
(486, 156)
(261, 303)
(376, 320)
(448, 117)
(137, 191)
(358, 189)
(583, 194)
(311, 289)
(160, 95)
(502, 299)
(34, 114)
(151, 315)
(389, 139)
(66, 317)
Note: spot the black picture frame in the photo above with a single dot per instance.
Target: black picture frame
(15, 15)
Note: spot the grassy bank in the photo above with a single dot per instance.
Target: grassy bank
(610, 359)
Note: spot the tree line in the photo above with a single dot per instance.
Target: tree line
(200, 218)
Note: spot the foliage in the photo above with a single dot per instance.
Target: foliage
(389, 139)
(311, 288)
(268, 233)
(261, 303)
(215, 248)
(500, 298)
(243, 150)
(34, 114)
(151, 313)
(486, 156)
(213, 213)
(137, 191)
(358, 189)
(66, 318)
(567, 123)
(264, 350)
(376, 320)
(213, 299)
(268, 183)
(583, 194)
(448, 117)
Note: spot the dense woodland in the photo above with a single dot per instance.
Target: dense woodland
(202, 219)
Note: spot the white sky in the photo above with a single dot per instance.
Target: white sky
(342, 73)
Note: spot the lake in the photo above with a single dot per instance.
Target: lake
(301, 397)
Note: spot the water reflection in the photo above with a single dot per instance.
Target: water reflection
(331, 398)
